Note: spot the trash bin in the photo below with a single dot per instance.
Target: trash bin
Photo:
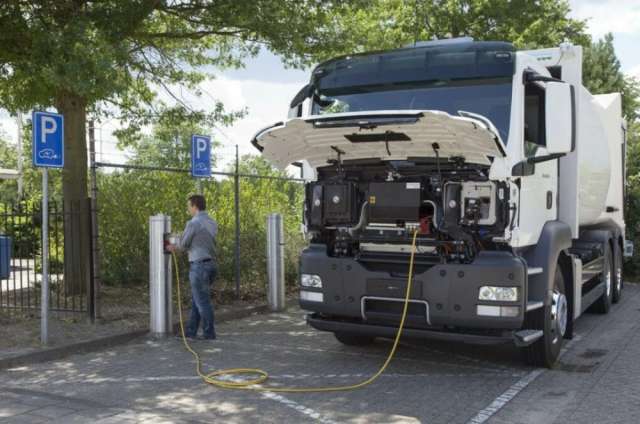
(5, 257)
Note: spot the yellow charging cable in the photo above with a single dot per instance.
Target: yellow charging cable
(253, 384)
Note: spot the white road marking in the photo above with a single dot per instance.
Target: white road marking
(103, 380)
(298, 407)
(291, 404)
(506, 397)
(499, 402)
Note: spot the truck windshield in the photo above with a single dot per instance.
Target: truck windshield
(490, 98)
(447, 76)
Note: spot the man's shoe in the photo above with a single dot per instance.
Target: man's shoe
(186, 336)
(206, 338)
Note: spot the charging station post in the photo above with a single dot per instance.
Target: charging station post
(160, 298)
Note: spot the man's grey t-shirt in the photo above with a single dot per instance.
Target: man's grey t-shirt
(199, 237)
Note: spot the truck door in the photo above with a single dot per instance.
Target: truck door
(538, 192)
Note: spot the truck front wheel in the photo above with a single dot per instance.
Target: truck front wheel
(552, 320)
(351, 339)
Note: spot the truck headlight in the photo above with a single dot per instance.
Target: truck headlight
(311, 280)
(502, 294)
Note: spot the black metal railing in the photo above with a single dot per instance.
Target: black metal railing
(22, 222)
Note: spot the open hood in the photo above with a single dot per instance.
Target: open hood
(385, 135)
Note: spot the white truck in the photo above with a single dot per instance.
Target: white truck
(511, 172)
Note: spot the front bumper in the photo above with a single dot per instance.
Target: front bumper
(444, 296)
(324, 324)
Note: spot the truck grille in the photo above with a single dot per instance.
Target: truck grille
(389, 311)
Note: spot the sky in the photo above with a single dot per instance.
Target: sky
(620, 17)
(265, 87)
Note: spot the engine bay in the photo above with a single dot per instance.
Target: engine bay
(369, 209)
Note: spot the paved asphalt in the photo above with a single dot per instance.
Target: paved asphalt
(597, 380)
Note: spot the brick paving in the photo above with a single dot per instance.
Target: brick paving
(598, 379)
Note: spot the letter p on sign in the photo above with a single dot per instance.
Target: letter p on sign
(202, 145)
(49, 126)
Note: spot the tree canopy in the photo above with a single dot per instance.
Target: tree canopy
(112, 57)
(527, 24)
(115, 56)
(601, 73)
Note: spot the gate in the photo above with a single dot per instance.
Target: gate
(22, 222)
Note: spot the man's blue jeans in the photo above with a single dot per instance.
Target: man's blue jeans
(201, 277)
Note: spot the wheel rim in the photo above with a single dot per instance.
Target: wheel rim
(608, 283)
(559, 314)
(618, 278)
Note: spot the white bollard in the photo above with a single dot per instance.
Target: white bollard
(275, 262)
(160, 278)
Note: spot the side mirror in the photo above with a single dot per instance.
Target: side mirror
(559, 117)
(295, 107)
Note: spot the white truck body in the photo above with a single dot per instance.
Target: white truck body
(545, 182)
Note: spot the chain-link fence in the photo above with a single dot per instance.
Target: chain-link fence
(239, 202)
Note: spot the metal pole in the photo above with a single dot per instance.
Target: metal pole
(160, 310)
(275, 262)
(199, 186)
(44, 304)
(237, 211)
(94, 291)
(19, 141)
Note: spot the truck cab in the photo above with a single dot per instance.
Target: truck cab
(510, 172)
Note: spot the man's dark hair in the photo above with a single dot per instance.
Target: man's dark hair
(197, 200)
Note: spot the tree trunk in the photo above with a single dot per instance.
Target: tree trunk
(77, 247)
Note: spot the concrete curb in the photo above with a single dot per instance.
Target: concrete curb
(70, 349)
(118, 339)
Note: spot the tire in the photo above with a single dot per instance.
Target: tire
(618, 280)
(350, 339)
(603, 304)
(552, 319)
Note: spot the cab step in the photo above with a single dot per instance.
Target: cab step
(534, 270)
(524, 338)
(533, 305)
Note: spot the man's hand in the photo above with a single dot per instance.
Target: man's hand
(172, 248)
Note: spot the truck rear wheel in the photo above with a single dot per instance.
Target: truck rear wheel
(351, 339)
(617, 275)
(552, 320)
(603, 304)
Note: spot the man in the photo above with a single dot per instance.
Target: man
(199, 239)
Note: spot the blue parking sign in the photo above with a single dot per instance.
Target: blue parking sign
(201, 156)
(48, 140)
